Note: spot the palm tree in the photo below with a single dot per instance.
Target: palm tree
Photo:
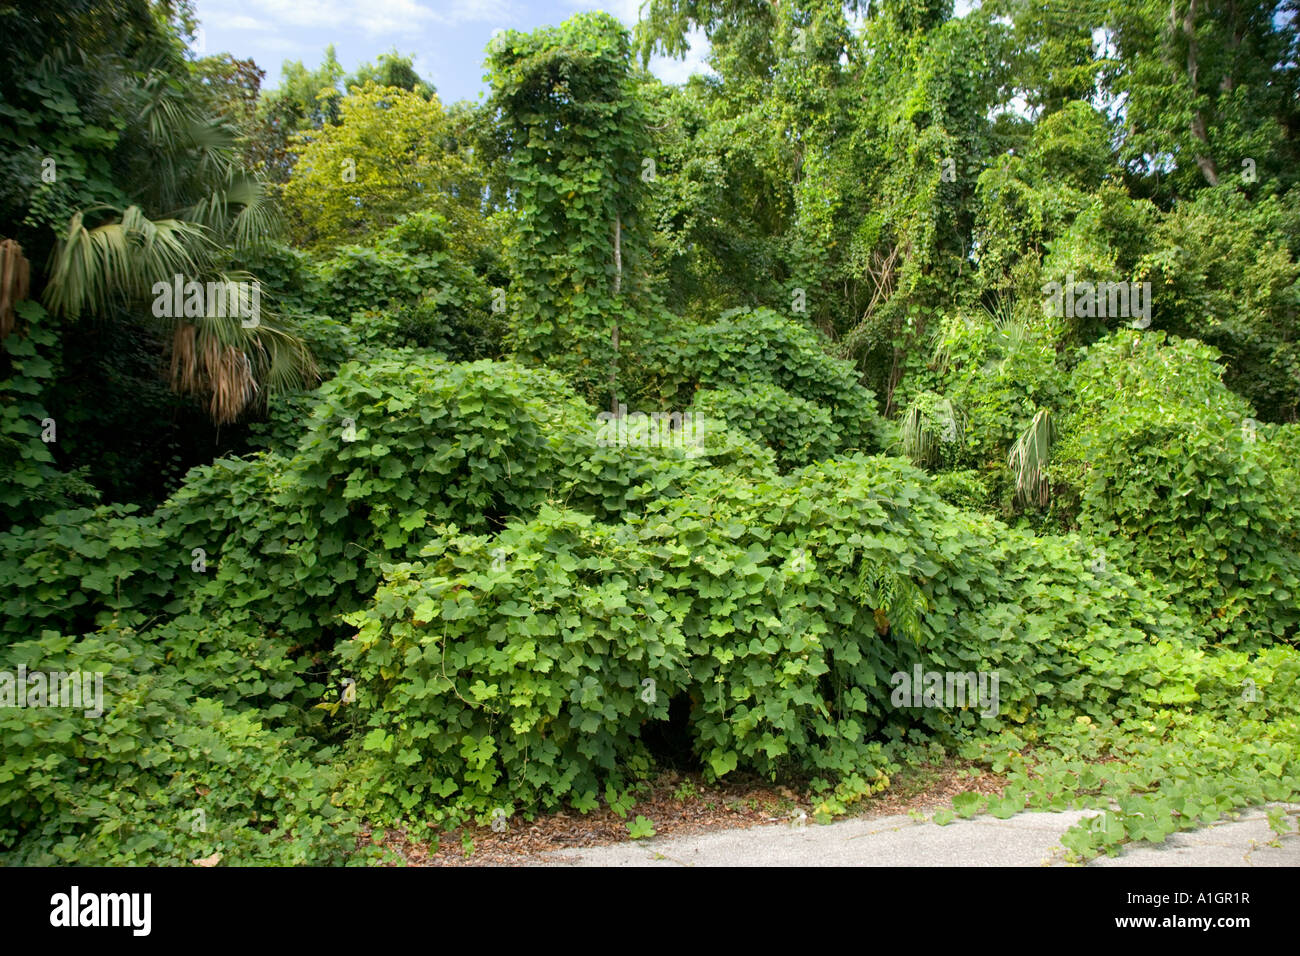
(208, 207)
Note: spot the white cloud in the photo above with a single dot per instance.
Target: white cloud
(475, 11)
(244, 23)
(627, 11)
(679, 71)
(373, 17)
(288, 46)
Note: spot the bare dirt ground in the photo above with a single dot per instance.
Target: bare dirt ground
(679, 804)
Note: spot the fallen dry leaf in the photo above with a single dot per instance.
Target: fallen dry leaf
(740, 802)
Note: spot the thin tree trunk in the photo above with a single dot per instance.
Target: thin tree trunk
(1227, 83)
(1204, 161)
(618, 255)
(618, 287)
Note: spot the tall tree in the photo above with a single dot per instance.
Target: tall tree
(391, 152)
(126, 174)
(1207, 89)
(576, 135)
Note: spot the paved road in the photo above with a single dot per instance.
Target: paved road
(1028, 839)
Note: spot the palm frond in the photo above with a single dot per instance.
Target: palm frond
(188, 146)
(119, 261)
(930, 423)
(202, 365)
(234, 367)
(1028, 460)
(1013, 331)
(15, 280)
(213, 139)
(241, 211)
(940, 354)
(165, 115)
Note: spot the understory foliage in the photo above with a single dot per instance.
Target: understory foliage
(798, 431)
(1177, 479)
(1211, 733)
(745, 348)
(392, 446)
(522, 667)
(165, 775)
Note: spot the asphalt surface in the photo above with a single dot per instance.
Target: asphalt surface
(1027, 839)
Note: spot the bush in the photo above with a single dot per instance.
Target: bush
(392, 448)
(963, 489)
(1179, 482)
(798, 431)
(1227, 273)
(745, 347)
(80, 569)
(288, 276)
(163, 776)
(610, 480)
(524, 667)
(407, 290)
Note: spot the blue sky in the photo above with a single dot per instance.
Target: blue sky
(447, 37)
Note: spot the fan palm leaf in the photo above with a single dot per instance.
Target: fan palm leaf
(1029, 457)
(240, 211)
(232, 368)
(119, 261)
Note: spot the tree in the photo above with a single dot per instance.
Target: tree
(391, 152)
(127, 175)
(1204, 85)
(305, 100)
(576, 135)
(393, 69)
(867, 149)
(234, 87)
